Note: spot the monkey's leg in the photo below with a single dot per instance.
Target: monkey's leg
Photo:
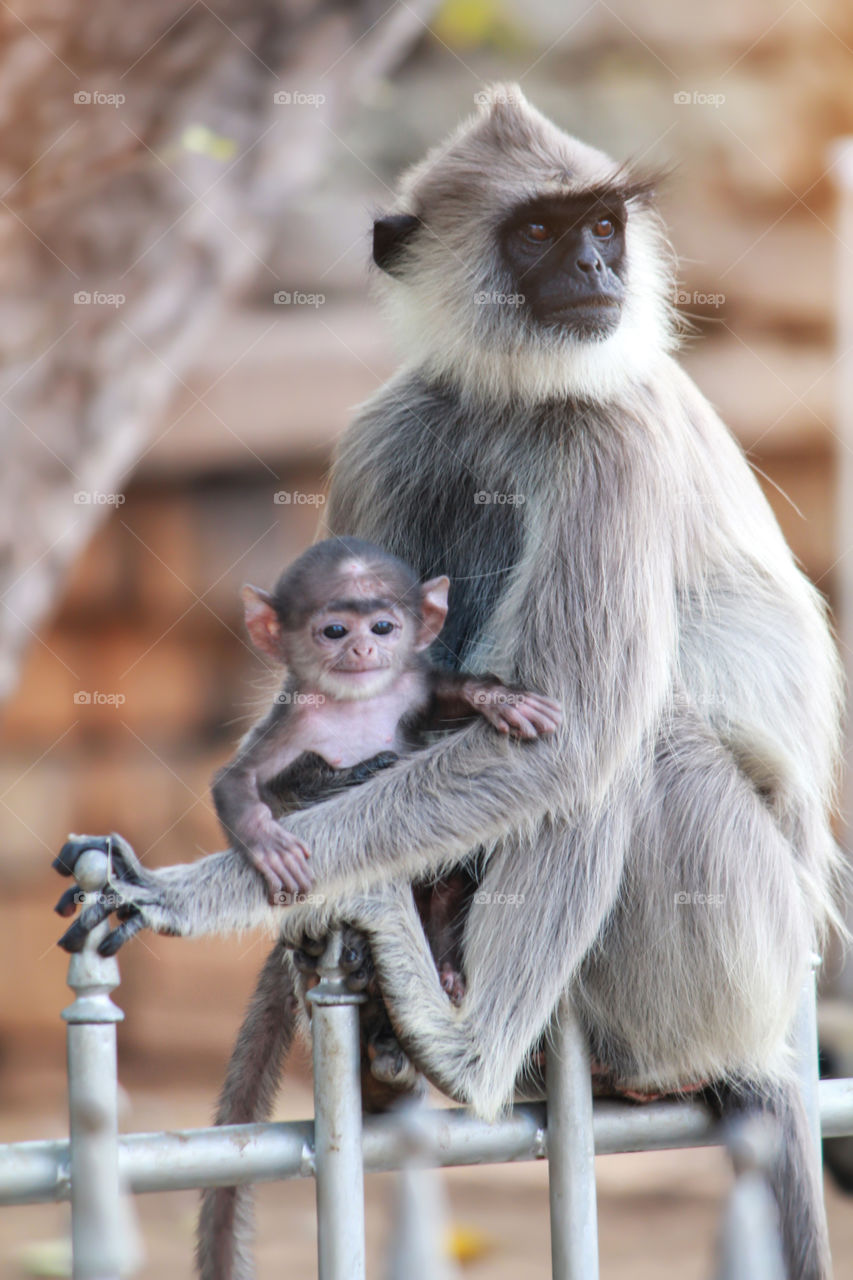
(225, 1226)
(536, 914)
(443, 906)
(699, 969)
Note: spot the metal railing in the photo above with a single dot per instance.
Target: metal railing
(96, 1165)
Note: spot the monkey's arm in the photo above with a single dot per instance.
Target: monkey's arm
(245, 817)
(590, 617)
(592, 621)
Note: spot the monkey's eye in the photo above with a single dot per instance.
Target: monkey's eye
(536, 232)
(335, 631)
(382, 628)
(603, 229)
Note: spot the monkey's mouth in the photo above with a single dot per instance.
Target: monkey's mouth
(605, 306)
(357, 671)
(587, 319)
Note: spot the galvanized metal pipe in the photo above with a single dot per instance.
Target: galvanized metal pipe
(571, 1150)
(418, 1247)
(98, 1241)
(805, 1049)
(185, 1159)
(750, 1243)
(337, 1121)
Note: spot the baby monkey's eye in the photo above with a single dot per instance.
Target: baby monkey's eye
(603, 229)
(382, 628)
(334, 631)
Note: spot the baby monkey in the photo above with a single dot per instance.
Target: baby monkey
(351, 624)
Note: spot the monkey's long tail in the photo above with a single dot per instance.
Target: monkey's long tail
(794, 1180)
(226, 1220)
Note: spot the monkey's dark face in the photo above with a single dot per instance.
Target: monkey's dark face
(566, 256)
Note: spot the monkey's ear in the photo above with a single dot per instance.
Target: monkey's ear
(390, 236)
(262, 621)
(433, 610)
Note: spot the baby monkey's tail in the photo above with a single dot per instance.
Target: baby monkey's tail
(225, 1224)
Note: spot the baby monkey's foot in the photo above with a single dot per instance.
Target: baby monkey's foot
(452, 982)
(389, 1064)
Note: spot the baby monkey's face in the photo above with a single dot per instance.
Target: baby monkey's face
(359, 647)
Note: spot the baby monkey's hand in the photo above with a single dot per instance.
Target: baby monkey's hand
(514, 711)
(277, 855)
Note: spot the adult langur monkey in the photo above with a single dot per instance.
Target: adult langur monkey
(668, 850)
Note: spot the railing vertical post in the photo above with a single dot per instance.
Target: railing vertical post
(806, 1050)
(419, 1238)
(337, 1121)
(571, 1150)
(98, 1219)
(750, 1243)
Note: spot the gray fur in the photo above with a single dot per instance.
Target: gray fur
(645, 584)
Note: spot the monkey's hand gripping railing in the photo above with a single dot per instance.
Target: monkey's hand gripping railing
(93, 1167)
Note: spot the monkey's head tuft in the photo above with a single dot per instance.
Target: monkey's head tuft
(520, 261)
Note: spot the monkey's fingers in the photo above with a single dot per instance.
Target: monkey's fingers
(262, 862)
(539, 714)
(283, 880)
(296, 867)
(294, 856)
(546, 706)
(74, 938)
(518, 723)
(133, 922)
(68, 903)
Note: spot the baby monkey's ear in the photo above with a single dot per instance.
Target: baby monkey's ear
(433, 610)
(262, 621)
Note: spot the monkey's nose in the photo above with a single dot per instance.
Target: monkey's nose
(592, 262)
